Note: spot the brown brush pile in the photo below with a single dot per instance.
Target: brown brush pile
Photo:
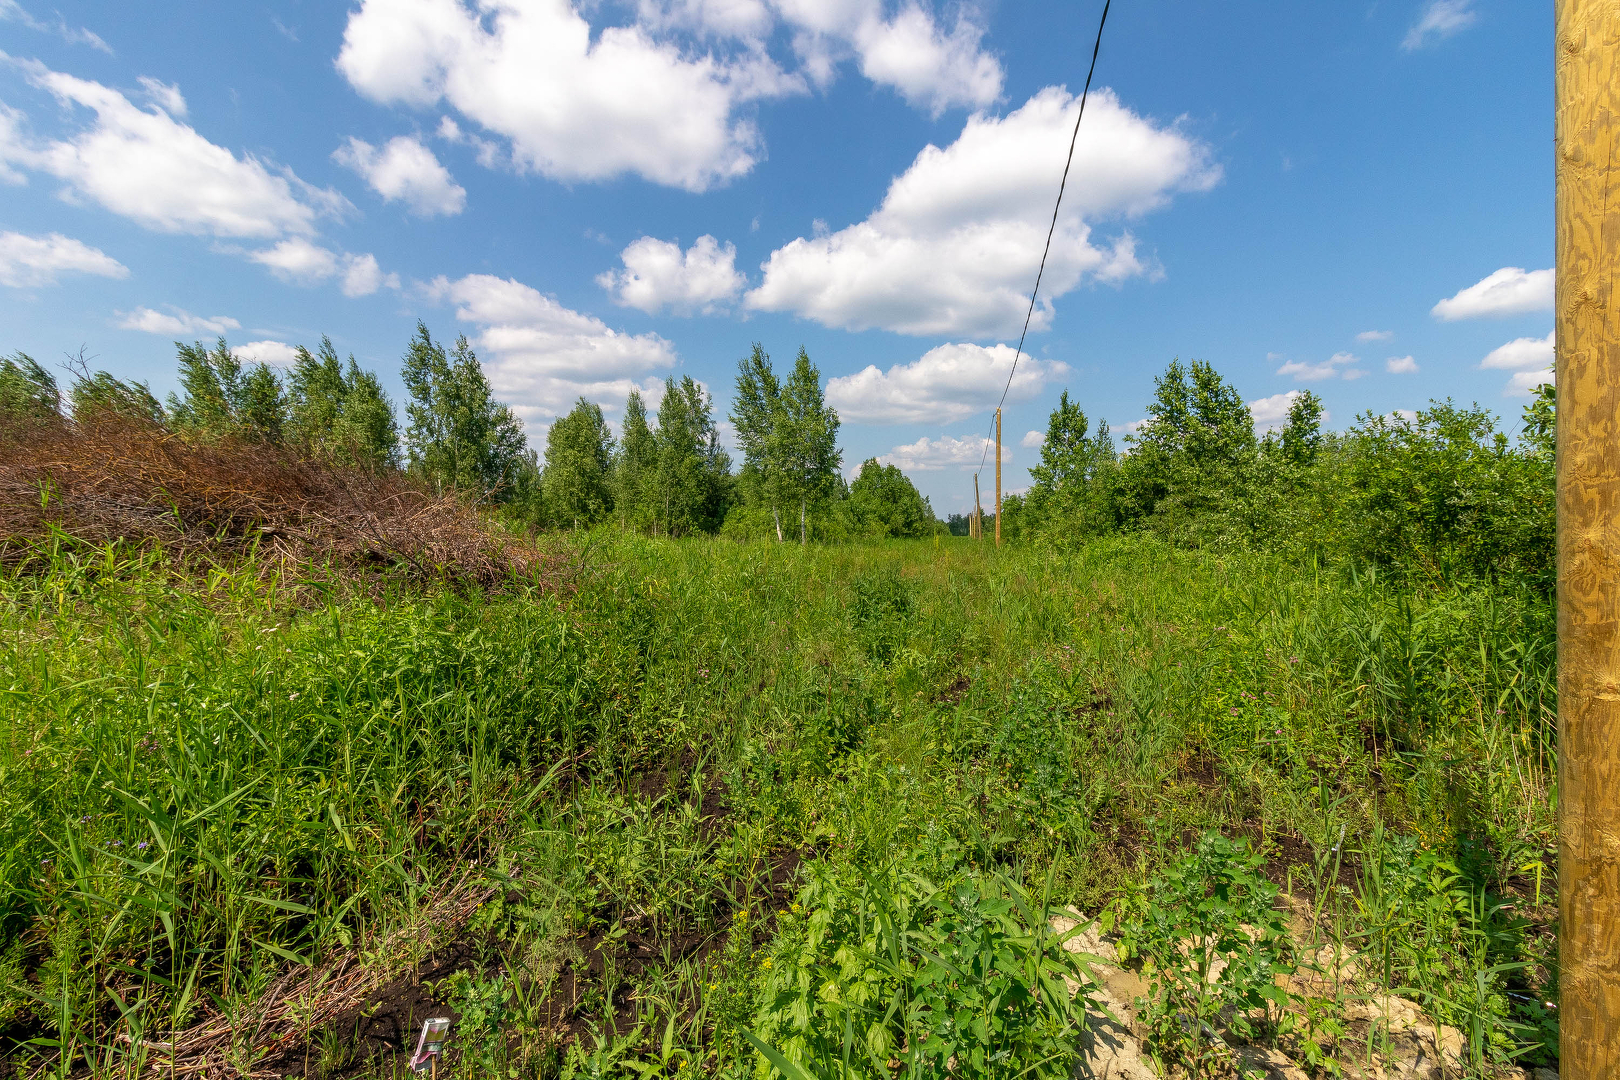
(122, 479)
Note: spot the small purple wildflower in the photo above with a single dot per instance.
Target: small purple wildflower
(141, 846)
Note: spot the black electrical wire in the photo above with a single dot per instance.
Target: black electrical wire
(1052, 229)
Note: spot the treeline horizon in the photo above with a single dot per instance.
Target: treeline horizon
(1441, 493)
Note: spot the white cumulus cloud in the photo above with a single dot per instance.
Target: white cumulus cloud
(1521, 353)
(1033, 440)
(302, 262)
(657, 274)
(1509, 291)
(147, 166)
(574, 104)
(1530, 359)
(274, 353)
(955, 244)
(541, 356)
(1375, 335)
(175, 322)
(909, 48)
(362, 276)
(403, 170)
(1522, 383)
(964, 452)
(1400, 365)
(950, 382)
(28, 261)
(1440, 19)
(1336, 366)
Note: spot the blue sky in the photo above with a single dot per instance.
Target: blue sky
(1354, 198)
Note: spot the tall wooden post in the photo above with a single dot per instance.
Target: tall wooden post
(978, 525)
(998, 476)
(1586, 141)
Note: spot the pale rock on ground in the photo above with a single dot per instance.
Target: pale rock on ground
(1113, 1052)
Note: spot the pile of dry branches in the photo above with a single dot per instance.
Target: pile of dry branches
(122, 479)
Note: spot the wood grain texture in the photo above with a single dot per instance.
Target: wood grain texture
(1587, 107)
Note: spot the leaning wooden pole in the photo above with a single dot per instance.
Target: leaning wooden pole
(978, 524)
(1586, 139)
(998, 476)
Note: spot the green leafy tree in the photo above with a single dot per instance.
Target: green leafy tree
(341, 414)
(756, 413)
(692, 488)
(1541, 422)
(100, 394)
(1445, 494)
(577, 480)
(886, 503)
(1302, 436)
(1072, 492)
(635, 467)
(460, 438)
(219, 399)
(807, 441)
(27, 390)
(1194, 447)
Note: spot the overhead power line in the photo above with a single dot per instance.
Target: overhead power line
(1051, 229)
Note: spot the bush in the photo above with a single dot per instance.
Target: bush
(1214, 944)
(963, 977)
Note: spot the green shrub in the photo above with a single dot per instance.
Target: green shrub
(1213, 945)
(962, 977)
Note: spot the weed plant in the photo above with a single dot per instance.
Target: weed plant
(229, 797)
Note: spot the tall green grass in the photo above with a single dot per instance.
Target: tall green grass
(211, 779)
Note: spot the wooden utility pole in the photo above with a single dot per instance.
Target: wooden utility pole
(1586, 142)
(998, 476)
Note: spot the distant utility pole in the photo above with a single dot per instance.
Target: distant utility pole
(998, 476)
(977, 531)
(1586, 143)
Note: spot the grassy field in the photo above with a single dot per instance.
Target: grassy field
(266, 820)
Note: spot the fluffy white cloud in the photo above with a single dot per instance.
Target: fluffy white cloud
(149, 167)
(910, 50)
(1335, 366)
(956, 242)
(404, 170)
(1521, 353)
(362, 276)
(575, 105)
(1522, 383)
(176, 322)
(27, 261)
(1509, 291)
(964, 452)
(950, 382)
(1400, 365)
(1033, 440)
(301, 262)
(298, 260)
(1530, 359)
(657, 274)
(541, 356)
(274, 353)
(1375, 335)
(1440, 19)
